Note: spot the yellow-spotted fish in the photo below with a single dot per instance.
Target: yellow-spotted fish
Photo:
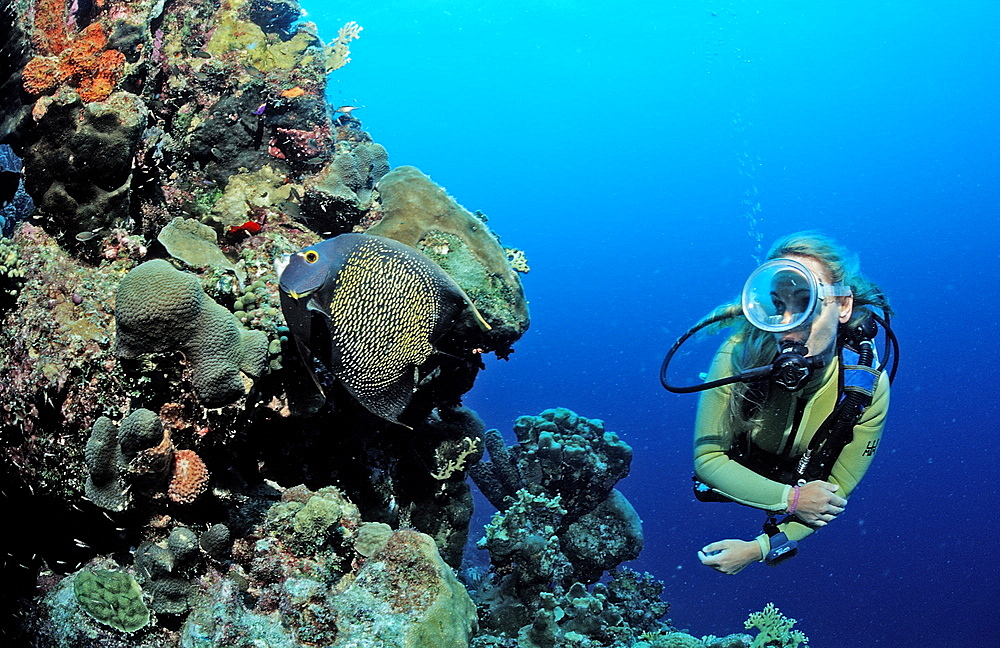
(371, 309)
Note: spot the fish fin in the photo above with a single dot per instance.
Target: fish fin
(314, 306)
(308, 403)
(388, 403)
(483, 324)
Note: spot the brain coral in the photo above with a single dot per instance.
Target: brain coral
(159, 308)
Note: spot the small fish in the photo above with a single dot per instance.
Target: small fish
(291, 209)
(250, 227)
(260, 109)
(217, 152)
(346, 110)
(202, 54)
(86, 236)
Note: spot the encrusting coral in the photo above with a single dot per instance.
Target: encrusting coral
(190, 478)
(83, 60)
(11, 273)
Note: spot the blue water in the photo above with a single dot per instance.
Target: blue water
(643, 154)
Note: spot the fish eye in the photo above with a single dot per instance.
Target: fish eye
(312, 256)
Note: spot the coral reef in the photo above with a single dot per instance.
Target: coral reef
(153, 398)
(560, 526)
(78, 162)
(333, 582)
(11, 273)
(558, 453)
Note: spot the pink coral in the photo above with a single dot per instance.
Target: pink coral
(299, 145)
(190, 477)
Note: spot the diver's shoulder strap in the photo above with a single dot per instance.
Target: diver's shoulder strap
(857, 389)
(857, 377)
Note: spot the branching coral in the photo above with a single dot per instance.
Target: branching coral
(775, 629)
(518, 261)
(338, 54)
(454, 459)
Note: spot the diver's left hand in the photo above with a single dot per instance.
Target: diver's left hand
(730, 556)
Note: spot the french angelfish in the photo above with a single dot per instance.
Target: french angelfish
(371, 309)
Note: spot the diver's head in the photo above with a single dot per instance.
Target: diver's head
(799, 295)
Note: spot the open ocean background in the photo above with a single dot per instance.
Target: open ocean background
(645, 154)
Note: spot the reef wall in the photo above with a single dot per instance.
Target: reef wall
(186, 477)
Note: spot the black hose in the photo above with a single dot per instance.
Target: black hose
(764, 371)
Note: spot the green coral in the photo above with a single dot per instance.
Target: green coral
(11, 272)
(112, 598)
(670, 639)
(775, 629)
(251, 44)
(194, 244)
(324, 520)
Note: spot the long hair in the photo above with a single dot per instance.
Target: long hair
(753, 347)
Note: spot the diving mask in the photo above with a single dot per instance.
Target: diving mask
(783, 294)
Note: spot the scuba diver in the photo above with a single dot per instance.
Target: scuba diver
(792, 410)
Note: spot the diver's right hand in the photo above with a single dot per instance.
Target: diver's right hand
(818, 503)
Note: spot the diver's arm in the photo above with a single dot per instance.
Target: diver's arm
(711, 463)
(730, 556)
(856, 457)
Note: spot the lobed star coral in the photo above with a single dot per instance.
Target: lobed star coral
(159, 309)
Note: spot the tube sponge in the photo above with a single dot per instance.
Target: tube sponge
(159, 309)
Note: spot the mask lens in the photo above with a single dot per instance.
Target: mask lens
(779, 296)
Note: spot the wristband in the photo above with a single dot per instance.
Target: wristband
(795, 501)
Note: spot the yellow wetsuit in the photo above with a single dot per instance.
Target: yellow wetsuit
(816, 401)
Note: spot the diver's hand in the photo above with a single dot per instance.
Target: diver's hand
(818, 503)
(730, 556)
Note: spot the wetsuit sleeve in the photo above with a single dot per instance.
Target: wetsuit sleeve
(857, 455)
(711, 442)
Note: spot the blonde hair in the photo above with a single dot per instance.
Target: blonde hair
(753, 347)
